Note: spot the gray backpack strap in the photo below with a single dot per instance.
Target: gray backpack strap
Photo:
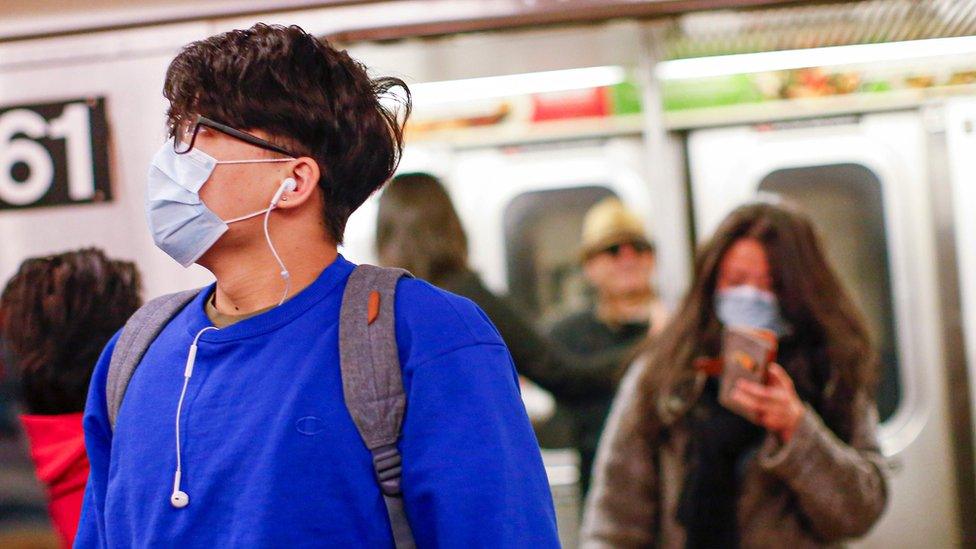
(372, 381)
(138, 334)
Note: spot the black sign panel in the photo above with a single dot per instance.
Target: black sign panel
(54, 154)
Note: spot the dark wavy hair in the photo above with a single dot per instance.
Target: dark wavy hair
(56, 315)
(827, 325)
(308, 96)
(418, 229)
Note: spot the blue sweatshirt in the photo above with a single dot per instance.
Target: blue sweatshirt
(271, 457)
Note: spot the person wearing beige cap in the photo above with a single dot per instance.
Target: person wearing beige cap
(618, 262)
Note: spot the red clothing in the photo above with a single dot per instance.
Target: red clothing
(57, 447)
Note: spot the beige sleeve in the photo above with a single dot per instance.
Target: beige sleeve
(621, 507)
(840, 488)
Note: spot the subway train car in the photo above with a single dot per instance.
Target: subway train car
(864, 113)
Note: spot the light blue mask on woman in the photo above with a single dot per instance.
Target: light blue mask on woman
(180, 223)
(751, 307)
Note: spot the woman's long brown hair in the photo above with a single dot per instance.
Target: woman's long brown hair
(812, 299)
(418, 229)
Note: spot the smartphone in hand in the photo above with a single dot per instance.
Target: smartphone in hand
(746, 354)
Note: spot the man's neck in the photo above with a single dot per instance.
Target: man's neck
(625, 308)
(249, 279)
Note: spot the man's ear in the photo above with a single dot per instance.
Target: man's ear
(306, 174)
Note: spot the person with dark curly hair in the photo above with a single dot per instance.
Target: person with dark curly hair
(56, 315)
(245, 420)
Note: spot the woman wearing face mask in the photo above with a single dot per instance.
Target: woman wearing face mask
(677, 469)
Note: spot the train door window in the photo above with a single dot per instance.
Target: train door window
(845, 202)
(542, 232)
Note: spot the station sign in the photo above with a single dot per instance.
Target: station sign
(54, 154)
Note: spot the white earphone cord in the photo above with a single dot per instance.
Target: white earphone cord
(285, 275)
(187, 373)
(178, 498)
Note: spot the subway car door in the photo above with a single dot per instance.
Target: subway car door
(523, 208)
(960, 126)
(863, 180)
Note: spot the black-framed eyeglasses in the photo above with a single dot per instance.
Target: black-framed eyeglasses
(185, 135)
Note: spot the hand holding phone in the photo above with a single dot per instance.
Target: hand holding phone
(746, 354)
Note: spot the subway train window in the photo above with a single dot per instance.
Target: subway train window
(845, 202)
(542, 232)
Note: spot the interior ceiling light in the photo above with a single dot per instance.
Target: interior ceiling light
(516, 84)
(859, 54)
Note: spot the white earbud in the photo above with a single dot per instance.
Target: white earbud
(288, 185)
(179, 500)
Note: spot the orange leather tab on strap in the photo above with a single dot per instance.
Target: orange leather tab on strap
(373, 311)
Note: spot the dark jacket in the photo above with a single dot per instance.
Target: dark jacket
(587, 336)
(566, 375)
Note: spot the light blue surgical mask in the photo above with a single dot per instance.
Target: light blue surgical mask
(180, 223)
(751, 307)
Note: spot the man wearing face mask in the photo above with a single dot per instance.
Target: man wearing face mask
(240, 426)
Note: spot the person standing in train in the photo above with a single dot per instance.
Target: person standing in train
(56, 315)
(236, 427)
(676, 468)
(618, 262)
(418, 229)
